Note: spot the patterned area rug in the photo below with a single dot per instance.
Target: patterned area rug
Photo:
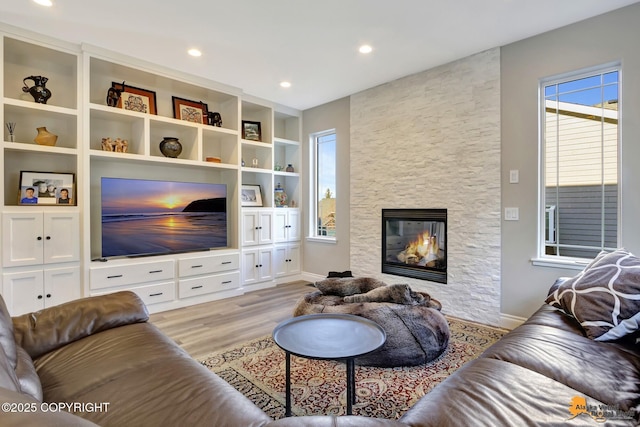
(318, 387)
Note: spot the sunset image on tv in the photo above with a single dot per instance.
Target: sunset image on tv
(146, 217)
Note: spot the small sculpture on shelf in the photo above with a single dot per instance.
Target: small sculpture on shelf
(118, 146)
(214, 119)
(39, 90)
(113, 95)
(289, 168)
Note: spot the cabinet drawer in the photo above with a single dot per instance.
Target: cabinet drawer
(208, 284)
(158, 292)
(207, 264)
(119, 275)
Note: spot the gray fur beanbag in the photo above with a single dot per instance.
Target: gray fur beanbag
(416, 330)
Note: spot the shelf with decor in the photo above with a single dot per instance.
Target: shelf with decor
(41, 238)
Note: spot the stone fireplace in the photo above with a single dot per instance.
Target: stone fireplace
(414, 243)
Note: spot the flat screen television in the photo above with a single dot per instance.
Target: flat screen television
(152, 217)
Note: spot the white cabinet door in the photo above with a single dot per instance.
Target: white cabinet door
(266, 264)
(23, 291)
(280, 225)
(294, 225)
(265, 227)
(256, 228)
(61, 285)
(34, 238)
(33, 290)
(286, 260)
(22, 239)
(61, 237)
(257, 266)
(286, 225)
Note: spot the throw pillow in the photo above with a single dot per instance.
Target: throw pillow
(604, 297)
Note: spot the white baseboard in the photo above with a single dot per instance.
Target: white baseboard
(312, 277)
(508, 321)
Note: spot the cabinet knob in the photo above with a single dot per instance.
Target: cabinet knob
(48, 295)
(39, 237)
(39, 296)
(48, 238)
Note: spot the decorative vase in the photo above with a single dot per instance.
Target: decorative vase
(39, 90)
(279, 197)
(44, 137)
(289, 167)
(170, 147)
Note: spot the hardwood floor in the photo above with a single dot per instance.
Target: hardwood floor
(204, 328)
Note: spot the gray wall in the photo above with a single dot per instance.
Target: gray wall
(600, 40)
(320, 257)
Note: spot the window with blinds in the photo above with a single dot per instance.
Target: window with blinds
(579, 162)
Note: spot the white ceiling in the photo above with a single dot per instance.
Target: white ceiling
(255, 44)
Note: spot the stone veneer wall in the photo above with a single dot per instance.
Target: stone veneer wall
(432, 140)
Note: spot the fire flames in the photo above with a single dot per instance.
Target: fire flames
(424, 250)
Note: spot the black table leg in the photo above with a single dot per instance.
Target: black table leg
(351, 385)
(287, 411)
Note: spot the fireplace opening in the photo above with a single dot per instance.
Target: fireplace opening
(414, 243)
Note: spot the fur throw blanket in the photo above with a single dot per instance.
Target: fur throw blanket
(416, 330)
(367, 289)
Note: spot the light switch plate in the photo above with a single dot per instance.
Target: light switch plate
(511, 214)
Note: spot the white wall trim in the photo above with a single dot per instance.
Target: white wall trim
(508, 321)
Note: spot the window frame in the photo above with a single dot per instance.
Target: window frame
(313, 186)
(561, 261)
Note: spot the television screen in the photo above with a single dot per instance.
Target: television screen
(147, 217)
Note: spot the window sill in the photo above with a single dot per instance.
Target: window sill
(567, 263)
(328, 240)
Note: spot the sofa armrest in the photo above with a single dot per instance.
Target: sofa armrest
(46, 330)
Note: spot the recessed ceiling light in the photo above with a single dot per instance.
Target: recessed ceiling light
(194, 52)
(365, 48)
(44, 2)
(285, 84)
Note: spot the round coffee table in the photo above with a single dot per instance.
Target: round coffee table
(328, 337)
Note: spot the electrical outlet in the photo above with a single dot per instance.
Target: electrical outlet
(514, 176)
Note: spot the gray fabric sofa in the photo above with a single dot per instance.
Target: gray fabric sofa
(102, 350)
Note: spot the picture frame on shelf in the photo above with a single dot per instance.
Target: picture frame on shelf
(190, 111)
(251, 131)
(46, 188)
(135, 98)
(251, 195)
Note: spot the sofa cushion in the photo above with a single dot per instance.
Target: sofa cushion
(490, 392)
(7, 340)
(604, 297)
(146, 378)
(46, 330)
(8, 378)
(27, 376)
(597, 369)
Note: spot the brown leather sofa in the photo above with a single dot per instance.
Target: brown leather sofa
(97, 361)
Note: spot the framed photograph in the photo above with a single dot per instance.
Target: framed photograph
(135, 99)
(191, 111)
(251, 195)
(251, 131)
(47, 188)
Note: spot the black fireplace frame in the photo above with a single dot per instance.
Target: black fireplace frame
(424, 273)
